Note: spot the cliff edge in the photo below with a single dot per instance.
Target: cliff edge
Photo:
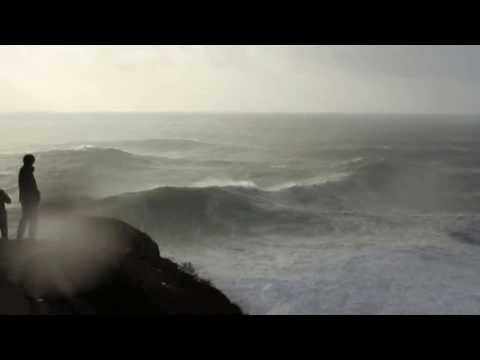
(101, 266)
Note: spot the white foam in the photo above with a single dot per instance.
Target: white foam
(317, 180)
(224, 183)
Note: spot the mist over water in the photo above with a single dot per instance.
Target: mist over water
(287, 214)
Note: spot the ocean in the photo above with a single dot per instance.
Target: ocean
(285, 213)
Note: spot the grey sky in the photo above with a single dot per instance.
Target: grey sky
(408, 79)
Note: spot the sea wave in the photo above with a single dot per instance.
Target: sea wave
(213, 182)
(316, 180)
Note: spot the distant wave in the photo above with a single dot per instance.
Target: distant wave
(90, 155)
(170, 145)
(357, 181)
(313, 181)
(181, 143)
(317, 180)
(86, 147)
(191, 213)
(128, 146)
(82, 149)
(224, 183)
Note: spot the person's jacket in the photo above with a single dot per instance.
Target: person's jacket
(27, 185)
(4, 199)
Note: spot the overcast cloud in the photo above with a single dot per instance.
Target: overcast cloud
(400, 79)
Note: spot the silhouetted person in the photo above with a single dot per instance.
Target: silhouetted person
(29, 198)
(4, 199)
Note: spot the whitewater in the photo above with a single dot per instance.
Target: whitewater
(287, 214)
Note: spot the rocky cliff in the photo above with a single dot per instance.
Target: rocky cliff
(101, 266)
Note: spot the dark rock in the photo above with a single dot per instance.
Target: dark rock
(102, 266)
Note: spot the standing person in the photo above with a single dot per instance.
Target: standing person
(29, 198)
(4, 199)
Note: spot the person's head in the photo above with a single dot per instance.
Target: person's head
(28, 160)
